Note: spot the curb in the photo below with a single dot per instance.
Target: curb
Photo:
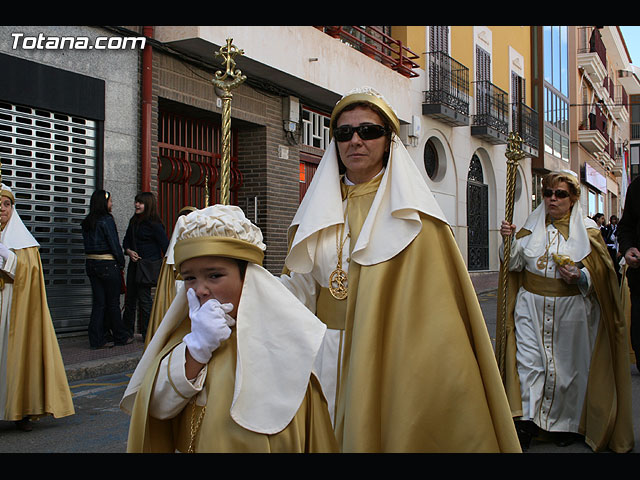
(100, 367)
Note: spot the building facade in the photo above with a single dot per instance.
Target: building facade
(69, 123)
(146, 117)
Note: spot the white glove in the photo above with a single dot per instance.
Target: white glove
(209, 326)
(4, 252)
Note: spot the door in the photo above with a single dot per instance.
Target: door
(49, 161)
(477, 218)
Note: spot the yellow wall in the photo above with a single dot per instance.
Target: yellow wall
(412, 37)
(463, 50)
(518, 37)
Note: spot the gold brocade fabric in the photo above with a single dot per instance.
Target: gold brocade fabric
(165, 292)
(309, 431)
(606, 417)
(36, 380)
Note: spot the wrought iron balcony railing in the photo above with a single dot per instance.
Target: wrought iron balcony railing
(448, 82)
(524, 121)
(376, 44)
(491, 106)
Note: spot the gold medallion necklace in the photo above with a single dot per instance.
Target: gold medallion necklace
(338, 278)
(543, 260)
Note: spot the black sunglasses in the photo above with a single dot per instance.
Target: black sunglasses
(365, 132)
(559, 193)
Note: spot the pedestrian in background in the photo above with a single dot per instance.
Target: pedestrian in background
(629, 245)
(145, 242)
(33, 382)
(104, 265)
(610, 234)
(600, 220)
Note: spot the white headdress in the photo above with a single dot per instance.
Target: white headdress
(394, 217)
(16, 235)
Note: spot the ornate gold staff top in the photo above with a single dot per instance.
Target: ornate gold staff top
(514, 154)
(227, 81)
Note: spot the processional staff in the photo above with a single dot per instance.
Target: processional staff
(227, 80)
(514, 154)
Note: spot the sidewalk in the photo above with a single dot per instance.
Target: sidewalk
(81, 362)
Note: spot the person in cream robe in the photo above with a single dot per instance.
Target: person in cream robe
(407, 364)
(565, 343)
(33, 382)
(255, 391)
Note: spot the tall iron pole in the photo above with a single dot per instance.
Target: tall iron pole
(227, 80)
(514, 154)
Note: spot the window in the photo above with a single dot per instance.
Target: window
(315, 129)
(431, 159)
(556, 91)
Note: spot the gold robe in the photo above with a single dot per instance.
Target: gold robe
(36, 380)
(606, 418)
(309, 431)
(419, 372)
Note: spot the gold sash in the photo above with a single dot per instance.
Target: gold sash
(330, 310)
(548, 287)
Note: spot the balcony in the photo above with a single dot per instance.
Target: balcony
(524, 121)
(620, 107)
(592, 55)
(447, 95)
(491, 121)
(592, 134)
(618, 159)
(377, 45)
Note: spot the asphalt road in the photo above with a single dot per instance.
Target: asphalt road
(98, 426)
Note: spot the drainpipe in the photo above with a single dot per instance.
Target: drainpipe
(147, 57)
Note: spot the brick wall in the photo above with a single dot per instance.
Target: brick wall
(257, 115)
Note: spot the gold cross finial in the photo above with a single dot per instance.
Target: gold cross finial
(514, 147)
(228, 54)
(227, 80)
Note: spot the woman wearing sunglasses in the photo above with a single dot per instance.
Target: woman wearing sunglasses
(407, 364)
(566, 352)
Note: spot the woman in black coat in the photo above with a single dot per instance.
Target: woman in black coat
(146, 238)
(104, 264)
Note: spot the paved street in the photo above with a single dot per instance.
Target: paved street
(98, 426)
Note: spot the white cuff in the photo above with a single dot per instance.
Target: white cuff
(173, 390)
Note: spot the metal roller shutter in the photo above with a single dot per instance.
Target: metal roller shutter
(49, 161)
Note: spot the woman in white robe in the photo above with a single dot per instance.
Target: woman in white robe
(558, 316)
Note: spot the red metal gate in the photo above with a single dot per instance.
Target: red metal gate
(189, 157)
